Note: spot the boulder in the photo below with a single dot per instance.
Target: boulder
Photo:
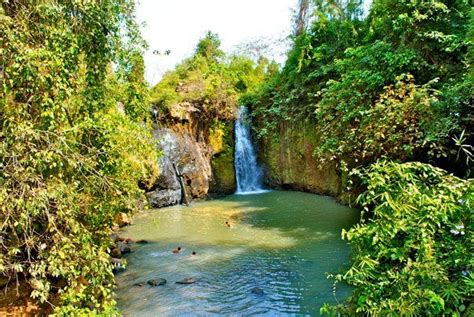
(124, 249)
(114, 237)
(122, 239)
(115, 252)
(116, 261)
(121, 219)
(164, 197)
(185, 147)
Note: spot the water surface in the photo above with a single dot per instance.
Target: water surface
(280, 242)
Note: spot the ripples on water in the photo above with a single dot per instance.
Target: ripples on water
(281, 242)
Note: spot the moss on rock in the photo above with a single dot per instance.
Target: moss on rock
(288, 157)
(222, 143)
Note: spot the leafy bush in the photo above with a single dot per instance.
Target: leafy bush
(413, 255)
(395, 126)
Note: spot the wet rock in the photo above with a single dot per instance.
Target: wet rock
(138, 284)
(257, 291)
(115, 253)
(142, 242)
(188, 280)
(157, 282)
(299, 172)
(121, 219)
(124, 249)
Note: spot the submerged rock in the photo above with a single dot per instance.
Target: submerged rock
(140, 284)
(157, 282)
(257, 291)
(142, 242)
(188, 280)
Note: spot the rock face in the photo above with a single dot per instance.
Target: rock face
(289, 162)
(202, 152)
(222, 161)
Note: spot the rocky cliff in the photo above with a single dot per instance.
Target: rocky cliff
(200, 149)
(288, 158)
(203, 152)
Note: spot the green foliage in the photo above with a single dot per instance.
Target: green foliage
(209, 81)
(435, 29)
(341, 71)
(135, 90)
(394, 127)
(68, 166)
(208, 47)
(414, 255)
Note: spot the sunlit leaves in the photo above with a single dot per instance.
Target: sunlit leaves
(415, 252)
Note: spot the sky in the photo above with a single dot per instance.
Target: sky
(177, 25)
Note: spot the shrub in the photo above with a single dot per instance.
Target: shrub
(413, 255)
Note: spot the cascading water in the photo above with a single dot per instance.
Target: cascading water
(248, 172)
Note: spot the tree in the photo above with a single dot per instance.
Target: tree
(209, 47)
(301, 18)
(68, 166)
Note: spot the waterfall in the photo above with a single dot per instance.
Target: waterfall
(249, 174)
